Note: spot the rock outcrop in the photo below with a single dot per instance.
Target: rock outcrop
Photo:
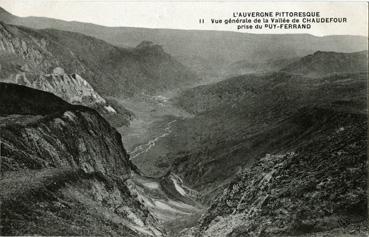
(39, 62)
(70, 87)
(64, 170)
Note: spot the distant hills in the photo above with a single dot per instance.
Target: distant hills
(319, 63)
(208, 53)
(326, 63)
(109, 69)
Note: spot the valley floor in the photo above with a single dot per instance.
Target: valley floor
(166, 196)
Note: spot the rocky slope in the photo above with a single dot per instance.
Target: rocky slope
(240, 119)
(318, 186)
(328, 63)
(110, 70)
(195, 48)
(64, 170)
(73, 89)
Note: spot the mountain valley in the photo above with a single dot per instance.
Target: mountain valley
(144, 132)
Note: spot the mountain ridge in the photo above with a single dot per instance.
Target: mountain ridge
(126, 72)
(323, 63)
(193, 48)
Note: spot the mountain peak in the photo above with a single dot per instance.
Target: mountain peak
(149, 46)
(145, 44)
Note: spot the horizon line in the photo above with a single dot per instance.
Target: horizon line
(170, 28)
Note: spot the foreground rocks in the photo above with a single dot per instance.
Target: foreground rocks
(64, 171)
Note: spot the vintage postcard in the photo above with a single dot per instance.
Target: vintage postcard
(183, 118)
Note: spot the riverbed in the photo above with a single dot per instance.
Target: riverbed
(154, 119)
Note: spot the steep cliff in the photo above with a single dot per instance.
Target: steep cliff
(64, 170)
(75, 90)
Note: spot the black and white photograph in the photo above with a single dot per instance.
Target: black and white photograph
(183, 118)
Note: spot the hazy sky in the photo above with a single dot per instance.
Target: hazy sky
(186, 15)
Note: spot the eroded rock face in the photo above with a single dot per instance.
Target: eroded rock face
(29, 51)
(319, 187)
(70, 87)
(64, 171)
(35, 60)
(26, 60)
(73, 139)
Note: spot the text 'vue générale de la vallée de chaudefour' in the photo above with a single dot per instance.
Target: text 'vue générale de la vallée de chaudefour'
(276, 20)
